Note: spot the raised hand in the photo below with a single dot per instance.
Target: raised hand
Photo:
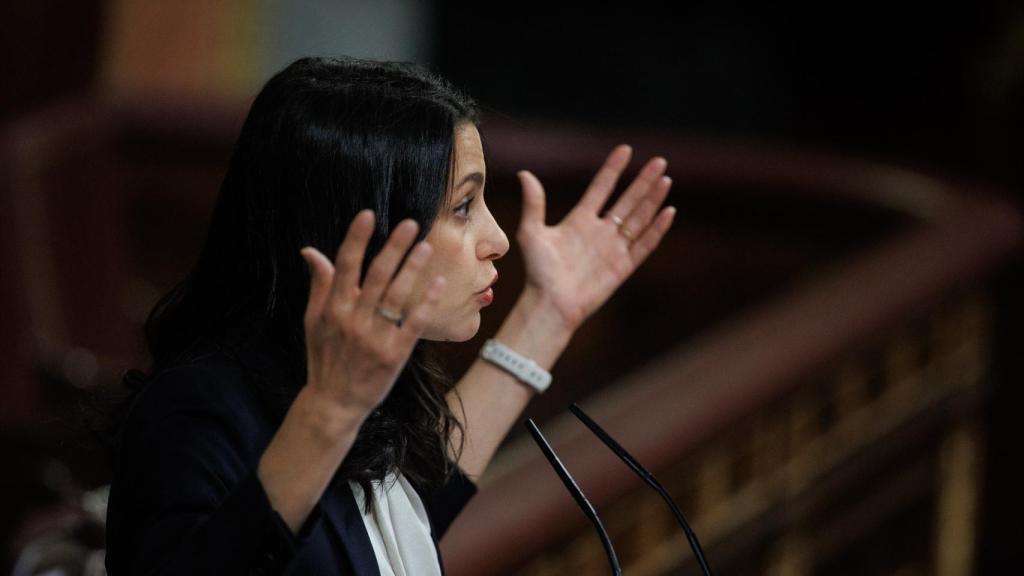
(578, 263)
(359, 338)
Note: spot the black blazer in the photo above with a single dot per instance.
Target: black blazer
(185, 498)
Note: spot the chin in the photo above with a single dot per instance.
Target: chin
(454, 332)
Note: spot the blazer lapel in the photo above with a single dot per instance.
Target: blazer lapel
(344, 517)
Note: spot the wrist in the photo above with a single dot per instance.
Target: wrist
(538, 303)
(536, 328)
(324, 418)
(522, 368)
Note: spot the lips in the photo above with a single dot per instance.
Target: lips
(486, 296)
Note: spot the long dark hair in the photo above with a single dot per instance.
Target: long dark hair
(325, 138)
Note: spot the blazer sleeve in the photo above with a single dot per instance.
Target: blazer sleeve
(444, 504)
(186, 498)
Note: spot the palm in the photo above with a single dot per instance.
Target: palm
(580, 262)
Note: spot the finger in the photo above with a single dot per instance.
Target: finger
(421, 312)
(321, 273)
(533, 199)
(642, 214)
(640, 187)
(649, 240)
(383, 267)
(348, 262)
(604, 181)
(396, 297)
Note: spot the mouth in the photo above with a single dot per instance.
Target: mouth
(486, 296)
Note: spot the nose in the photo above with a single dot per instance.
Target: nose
(493, 243)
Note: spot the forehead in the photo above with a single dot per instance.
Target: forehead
(469, 151)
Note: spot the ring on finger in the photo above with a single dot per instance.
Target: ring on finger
(626, 232)
(395, 318)
(616, 220)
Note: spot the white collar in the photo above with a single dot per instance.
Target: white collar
(398, 528)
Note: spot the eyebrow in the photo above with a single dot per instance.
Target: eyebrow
(476, 177)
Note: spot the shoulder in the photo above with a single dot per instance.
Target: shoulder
(213, 388)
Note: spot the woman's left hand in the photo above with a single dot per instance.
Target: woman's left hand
(578, 263)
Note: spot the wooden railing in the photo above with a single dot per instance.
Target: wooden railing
(767, 493)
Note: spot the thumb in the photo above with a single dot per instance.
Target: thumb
(533, 199)
(321, 273)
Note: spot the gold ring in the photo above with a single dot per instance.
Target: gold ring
(626, 232)
(395, 318)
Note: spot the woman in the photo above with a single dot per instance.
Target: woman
(293, 420)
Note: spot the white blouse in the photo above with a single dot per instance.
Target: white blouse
(399, 529)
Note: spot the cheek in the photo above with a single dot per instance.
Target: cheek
(448, 259)
(440, 264)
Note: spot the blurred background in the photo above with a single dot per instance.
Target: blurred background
(822, 363)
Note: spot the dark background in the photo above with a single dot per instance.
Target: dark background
(925, 83)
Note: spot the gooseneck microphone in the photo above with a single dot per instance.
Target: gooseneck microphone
(647, 477)
(635, 466)
(577, 494)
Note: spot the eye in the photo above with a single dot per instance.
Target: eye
(462, 209)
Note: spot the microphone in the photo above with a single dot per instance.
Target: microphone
(649, 479)
(577, 494)
(634, 465)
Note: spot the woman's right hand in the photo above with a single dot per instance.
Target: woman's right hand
(354, 353)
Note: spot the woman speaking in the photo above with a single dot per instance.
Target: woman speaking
(293, 420)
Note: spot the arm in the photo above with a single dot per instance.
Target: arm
(572, 269)
(354, 356)
(491, 399)
(304, 454)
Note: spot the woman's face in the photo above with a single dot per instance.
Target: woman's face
(466, 241)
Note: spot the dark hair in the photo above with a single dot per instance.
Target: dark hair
(325, 138)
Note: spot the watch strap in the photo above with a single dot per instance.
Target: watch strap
(523, 368)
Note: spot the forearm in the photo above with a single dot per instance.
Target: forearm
(492, 399)
(304, 454)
